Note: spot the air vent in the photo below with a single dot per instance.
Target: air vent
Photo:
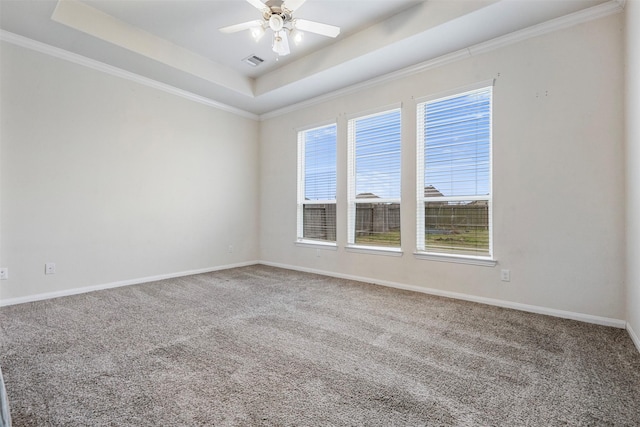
(253, 60)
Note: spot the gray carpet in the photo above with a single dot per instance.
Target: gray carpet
(271, 347)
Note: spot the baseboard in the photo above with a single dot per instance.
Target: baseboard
(75, 291)
(605, 321)
(633, 336)
(588, 318)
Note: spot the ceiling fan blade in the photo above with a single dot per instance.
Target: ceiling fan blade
(258, 5)
(292, 5)
(243, 26)
(317, 27)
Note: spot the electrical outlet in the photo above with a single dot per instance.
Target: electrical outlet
(230, 249)
(50, 268)
(505, 275)
(4, 273)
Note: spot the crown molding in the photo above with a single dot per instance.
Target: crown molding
(56, 52)
(611, 7)
(596, 12)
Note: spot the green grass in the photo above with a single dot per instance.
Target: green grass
(468, 242)
(390, 238)
(465, 242)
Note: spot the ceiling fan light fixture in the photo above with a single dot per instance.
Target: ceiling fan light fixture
(277, 16)
(276, 23)
(279, 46)
(297, 36)
(257, 32)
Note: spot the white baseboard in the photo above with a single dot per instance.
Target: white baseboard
(633, 336)
(75, 291)
(588, 318)
(605, 321)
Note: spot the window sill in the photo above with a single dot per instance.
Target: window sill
(459, 259)
(317, 245)
(374, 250)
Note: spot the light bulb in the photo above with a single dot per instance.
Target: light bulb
(276, 23)
(257, 32)
(297, 36)
(280, 44)
(277, 44)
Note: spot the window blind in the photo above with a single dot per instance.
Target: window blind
(320, 163)
(376, 145)
(457, 144)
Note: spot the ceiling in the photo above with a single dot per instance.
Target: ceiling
(177, 42)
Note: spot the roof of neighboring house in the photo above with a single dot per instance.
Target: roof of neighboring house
(431, 191)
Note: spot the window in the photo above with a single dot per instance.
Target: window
(374, 180)
(454, 174)
(317, 184)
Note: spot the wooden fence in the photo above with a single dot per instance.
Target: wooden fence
(319, 222)
(376, 218)
(442, 216)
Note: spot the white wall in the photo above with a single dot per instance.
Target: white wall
(558, 175)
(633, 164)
(114, 181)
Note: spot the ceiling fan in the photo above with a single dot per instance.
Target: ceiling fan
(277, 15)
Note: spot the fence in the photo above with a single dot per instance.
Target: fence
(443, 216)
(319, 222)
(376, 218)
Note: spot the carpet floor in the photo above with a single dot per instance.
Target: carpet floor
(262, 346)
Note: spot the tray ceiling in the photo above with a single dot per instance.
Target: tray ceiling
(177, 43)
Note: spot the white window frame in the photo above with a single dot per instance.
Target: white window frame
(422, 251)
(301, 175)
(352, 201)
